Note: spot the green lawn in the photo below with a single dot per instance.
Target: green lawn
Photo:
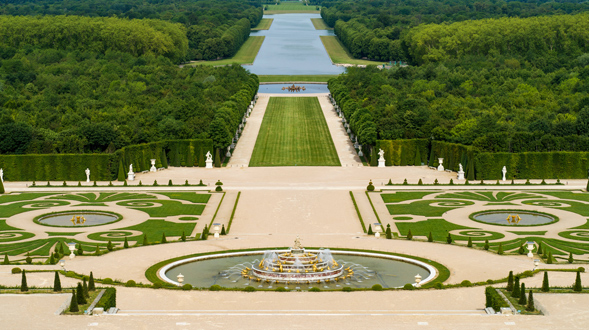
(491, 196)
(294, 133)
(152, 228)
(440, 228)
(296, 78)
(424, 208)
(164, 208)
(265, 24)
(245, 55)
(188, 196)
(340, 55)
(7, 198)
(401, 196)
(319, 24)
(102, 197)
(20, 207)
(290, 8)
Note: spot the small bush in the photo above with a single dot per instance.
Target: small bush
(408, 286)
(187, 287)
(215, 287)
(436, 182)
(130, 284)
(218, 189)
(451, 182)
(314, 289)
(156, 285)
(390, 183)
(281, 289)
(170, 183)
(490, 281)
(249, 288)
(370, 186)
(405, 182)
(346, 289)
(581, 269)
(466, 283)
(16, 270)
(439, 285)
(420, 182)
(377, 287)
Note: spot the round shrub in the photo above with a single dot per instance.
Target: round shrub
(215, 287)
(439, 285)
(466, 283)
(187, 287)
(157, 285)
(249, 288)
(377, 287)
(314, 290)
(489, 281)
(218, 189)
(16, 270)
(370, 186)
(528, 273)
(130, 284)
(346, 289)
(107, 280)
(408, 286)
(581, 269)
(281, 289)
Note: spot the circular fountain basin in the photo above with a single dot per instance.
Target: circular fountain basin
(225, 269)
(78, 219)
(514, 218)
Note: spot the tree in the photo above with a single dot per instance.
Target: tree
(578, 287)
(522, 297)
(91, 285)
(217, 158)
(164, 240)
(389, 234)
(85, 288)
(469, 244)
(205, 233)
(145, 242)
(449, 238)
(80, 294)
(430, 237)
(549, 259)
(6, 261)
(545, 284)
(530, 307)
(122, 176)
(80, 251)
(509, 281)
(516, 287)
(109, 246)
(97, 251)
(571, 260)
(409, 235)
(23, 282)
(539, 249)
(486, 246)
(370, 232)
(183, 237)
(500, 249)
(126, 244)
(74, 303)
(57, 283)
(223, 232)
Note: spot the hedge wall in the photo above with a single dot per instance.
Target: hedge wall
(454, 154)
(533, 165)
(403, 152)
(109, 299)
(103, 167)
(493, 299)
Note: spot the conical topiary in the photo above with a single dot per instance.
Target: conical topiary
(217, 158)
(420, 182)
(516, 288)
(223, 232)
(430, 237)
(56, 282)
(23, 282)
(80, 294)
(486, 246)
(121, 175)
(91, 285)
(85, 289)
(545, 284)
(126, 244)
(109, 246)
(500, 249)
(183, 237)
(522, 295)
(6, 261)
(409, 235)
(389, 234)
(2, 187)
(370, 232)
(145, 242)
(571, 260)
(509, 286)
(549, 259)
(540, 249)
(530, 307)
(469, 244)
(578, 287)
(74, 303)
(164, 240)
(449, 238)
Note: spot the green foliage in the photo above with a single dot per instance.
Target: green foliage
(370, 232)
(530, 307)
(388, 232)
(545, 284)
(145, 242)
(420, 182)
(183, 237)
(466, 283)
(396, 152)
(578, 287)
(430, 238)
(509, 282)
(23, 282)
(74, 303)
(109, 299)
(85, 288)
(408, 286)
(449, 239)
(130, 284)
(215, 287)
(80, 294)
(409, 235)
(469, 244)
(91, 285)
(2, 191)
(571, 259)
(370, 186)
(109, 246)
(250, 288)
(515, 293)
(16, 270)
(522, 298)
(126, 244)
(223, 232)
(187, 287)
(164, 240)
(217, 158)
(500, 249)
(6, 261)
(377, 287)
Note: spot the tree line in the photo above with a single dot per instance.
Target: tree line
(210, 25)
(376, 29)
(76, 101)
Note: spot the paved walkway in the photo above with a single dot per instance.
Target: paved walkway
(245, 146)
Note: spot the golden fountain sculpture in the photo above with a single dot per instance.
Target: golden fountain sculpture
(514, 219)
(78, 220)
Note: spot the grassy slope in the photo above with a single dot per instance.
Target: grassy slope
(294, 132)
(319, 24)
(296, 78)
(264, 24)
(339, 55)
(246, 54)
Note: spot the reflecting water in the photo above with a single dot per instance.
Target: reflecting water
(500, 218)
(292, 47)
(72, 220)
(386, 272)
(309, 88)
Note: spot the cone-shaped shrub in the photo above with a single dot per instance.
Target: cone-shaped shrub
(56, 282)
(405, 183)
(545, 284)
(85, 289)
(509, 282)
(539, 249)
(145, 242)
(530, 307)
(549, 259)
(205, 233)
(23, 282)
(578, 287)
(516, 288)
(521, 250)
(97, 251)
(430, 237)
(223, 231)
(74, 303)
(217, 159)
(91, 285)
(469, 244)
(170, 183)
(80, 250)
(183, 237)
(389, 234)
(409, 235)
(522, 295)
(109, 246)
(449, 239)
(6, 261)
(126, 244)
(486, 246)
(121, 175)
(436, 182)
(500, 249)
(370, 232)
(390, 183)
(420, 182)
(80, 294)
(164, 240)
(451, 182)
(571, 258)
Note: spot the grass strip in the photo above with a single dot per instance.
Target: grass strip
(373, 208)
(233, 212)
(358, 212)
(296, 78)
(264, 24)
(245, 55)
(217, 210)
(319, 24)
(340, 55)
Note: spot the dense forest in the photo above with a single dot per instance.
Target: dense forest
(375, 29)
(57, 101)
(214, 29)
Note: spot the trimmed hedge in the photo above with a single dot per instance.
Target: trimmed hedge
(403, 152)
(109, 299)
(103, 167)
(454, 155)
(493, 299)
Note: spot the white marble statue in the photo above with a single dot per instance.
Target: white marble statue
(504, 171)
(131, 174)
(209, 161)
(131, 168)
(153, 168)
(381, 160)
(87, 174)
(2, 174)
(460, 172)
(441, 164)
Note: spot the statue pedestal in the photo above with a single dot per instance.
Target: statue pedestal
(130, 176)
(381, 162)
(460, 175)
(153, 169)
(209, 163)
(441, 168)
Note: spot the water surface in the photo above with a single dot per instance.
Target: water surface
(309, 88)
(500, 218)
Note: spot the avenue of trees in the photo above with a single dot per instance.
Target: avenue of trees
(376, 29)
(59, 101)
(213, 28)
